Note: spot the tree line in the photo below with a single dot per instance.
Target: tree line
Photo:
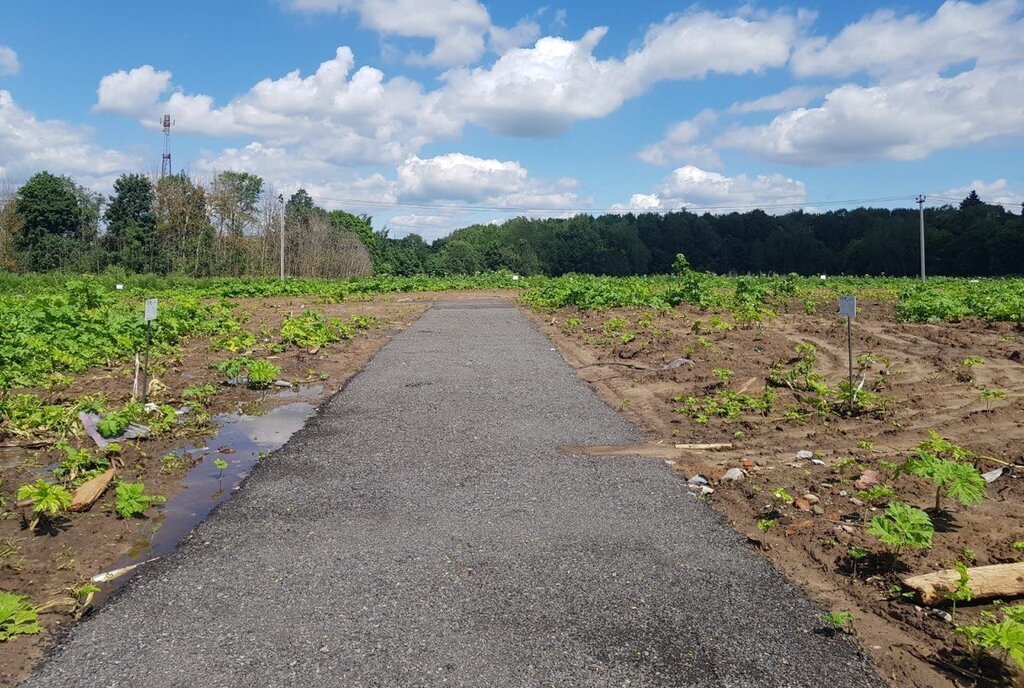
(231, 227)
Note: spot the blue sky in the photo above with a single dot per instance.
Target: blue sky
(433, 114)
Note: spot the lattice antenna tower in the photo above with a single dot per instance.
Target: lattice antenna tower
(165, 165)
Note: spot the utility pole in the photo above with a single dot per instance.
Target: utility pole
(920, 205)
(280, 201)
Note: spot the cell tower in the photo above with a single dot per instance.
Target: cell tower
(165, 166)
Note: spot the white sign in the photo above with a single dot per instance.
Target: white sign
(150, 310)
(848, 306)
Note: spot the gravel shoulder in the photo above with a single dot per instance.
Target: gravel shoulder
(425, 529)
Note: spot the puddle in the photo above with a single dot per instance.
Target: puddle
(247, 437)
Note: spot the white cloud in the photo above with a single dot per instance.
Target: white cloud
(886, 44)
(639, 203)
(795, 96)
(133, 92)
(543, 89)
(29, 145)
(457, 27)
(905, 120)
(501, 40)
(692, 187)
(998, 191)
(9, 64)
(680, 144)
(335, 114)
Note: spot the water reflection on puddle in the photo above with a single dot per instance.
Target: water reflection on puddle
(245, 438)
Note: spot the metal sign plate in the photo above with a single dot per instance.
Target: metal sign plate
(848, 306)
(150, 310)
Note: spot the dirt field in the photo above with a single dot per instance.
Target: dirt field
(919, 371)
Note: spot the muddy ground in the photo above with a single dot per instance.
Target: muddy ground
(46, 564)
(919, 371)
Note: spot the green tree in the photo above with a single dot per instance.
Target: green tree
(58, 222)
(132, 236)
(234, 198)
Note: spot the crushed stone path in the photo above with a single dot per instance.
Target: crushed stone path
(424, 530)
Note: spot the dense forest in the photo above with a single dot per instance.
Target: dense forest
(231, 226)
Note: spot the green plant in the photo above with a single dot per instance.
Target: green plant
(79, 463)
(113, 425)
(840, 621)
(960, 481)
(1018, 545)
(221, 465)
(17, 616)
(877, 493)
(781, 496)
(1006, 635)
(311, 330)
(972, 361)
(856, 554)
(989, 395)
(48, 500)
(765, 524)
(962, 591)
(200, 394)
(865, 444)
(131, 500)
(262, 374)
(723, 374)
(902, 525)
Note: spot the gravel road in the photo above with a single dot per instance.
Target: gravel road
(424, 530)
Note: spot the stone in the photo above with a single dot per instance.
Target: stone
(698, 480)
(734, 474)
(867, 479)
(802, 504)
(856, 502)
(812, 498)
(804, 454)
(817, 509)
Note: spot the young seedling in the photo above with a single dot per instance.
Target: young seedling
(765, 524)
(962, 591)
(723, 374)
(839, 621)
(1006, 635)
(132, 501)
(780, 496)
(902, 525)
(17, 616)
(48, 500)
(221, 465)
(989, 395)
(856, 554)
(960, 481)
(1018, 545)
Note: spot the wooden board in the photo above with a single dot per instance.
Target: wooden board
(91, 490)
(986, 582)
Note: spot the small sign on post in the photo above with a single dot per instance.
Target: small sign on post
(848, 309)
(149, 317)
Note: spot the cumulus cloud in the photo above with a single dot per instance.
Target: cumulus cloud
(133, 92)
(9, 64)
(885, 43)
(29, 145)
(680, 144)
(692, 187)
(457, 27)
(904, 120)
(543, 89)
(998, 192)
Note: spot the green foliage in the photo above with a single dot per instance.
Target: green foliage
(903, 526)
(962, 592)
(765, 524)
(972, 361)
(1006, 634)
(48, 500)
(989, 395)
(960, 481)
(79, 463)
(725, 404)
(876, 494)
(262, 374)
(200, 394)
(841, 621)
(221, 465)
(17, 616)
(312, 329)
(113, 425)
(131, 500)
(723, 374)
(780, 495)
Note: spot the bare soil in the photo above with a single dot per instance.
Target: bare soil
(918, 369)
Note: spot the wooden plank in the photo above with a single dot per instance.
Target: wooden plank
(986, 582)
(91, 490)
